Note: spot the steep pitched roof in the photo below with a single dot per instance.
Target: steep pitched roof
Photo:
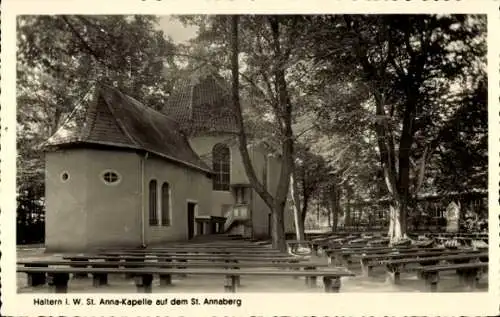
(202, 105)
(115, 119)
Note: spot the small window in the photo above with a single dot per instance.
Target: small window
(65, 176)
(110, 177)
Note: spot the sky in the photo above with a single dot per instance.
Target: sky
(176, 30)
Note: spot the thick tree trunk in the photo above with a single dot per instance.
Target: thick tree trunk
(297, 214)
(336, 206)
(283, 112)
(277, 227)
(397, 221)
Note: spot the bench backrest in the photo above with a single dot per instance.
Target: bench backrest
(195, 250)
(170, 264)
(465, 256)
(155, 270)
(183, 257)
(449, 267)
(194, 254)
(415, 254)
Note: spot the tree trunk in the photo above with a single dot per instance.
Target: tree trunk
(275, 203)
(277, 227)
(329, 217)
(397, 221)
(317, 216)
(299, 223)
(284, 114)
(335, 216)
(347, 221)
(337, 192)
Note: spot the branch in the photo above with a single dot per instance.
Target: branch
(274, 101)
(293, 35)
(298, 135)
(86, 46)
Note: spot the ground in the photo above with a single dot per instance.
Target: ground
(210, 284)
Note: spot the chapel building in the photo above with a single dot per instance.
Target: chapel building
(120, 174)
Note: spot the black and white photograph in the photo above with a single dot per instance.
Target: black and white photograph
(186, 161)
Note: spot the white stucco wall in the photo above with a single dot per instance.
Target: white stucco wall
(84, 212)
(185, 185)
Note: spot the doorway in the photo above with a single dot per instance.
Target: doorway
(191, 208)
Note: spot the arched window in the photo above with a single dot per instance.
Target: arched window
(153, 203)
(165, 204)
(221, 158)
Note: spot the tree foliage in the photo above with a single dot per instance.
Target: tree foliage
(60, 58)
(413, 72)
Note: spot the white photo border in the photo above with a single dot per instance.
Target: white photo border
(258, 304)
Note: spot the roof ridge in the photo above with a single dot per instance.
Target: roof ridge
(119, 123)
(148, 108)
(191, 97)
(90, 120)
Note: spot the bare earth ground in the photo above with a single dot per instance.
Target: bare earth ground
(194, 284)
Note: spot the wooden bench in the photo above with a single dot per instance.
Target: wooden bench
(369, 261)
(294, 245)
(378, 241)
(39, 279)
(394, 267)
(370, 249)
(454, 235)
(210, 246)
(468, 274)
(185, 258)
(323, 246)
(58, 277)
(195, 251)
(343, 256)
(462, 240)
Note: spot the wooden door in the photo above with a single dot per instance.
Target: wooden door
(190, 218)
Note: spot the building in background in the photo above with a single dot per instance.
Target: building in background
(203, 108)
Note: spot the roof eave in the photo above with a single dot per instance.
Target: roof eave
(131, 147)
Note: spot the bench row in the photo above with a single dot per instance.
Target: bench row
(58, 277)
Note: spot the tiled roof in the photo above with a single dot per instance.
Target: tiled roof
(115, 119)
(202, 105)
